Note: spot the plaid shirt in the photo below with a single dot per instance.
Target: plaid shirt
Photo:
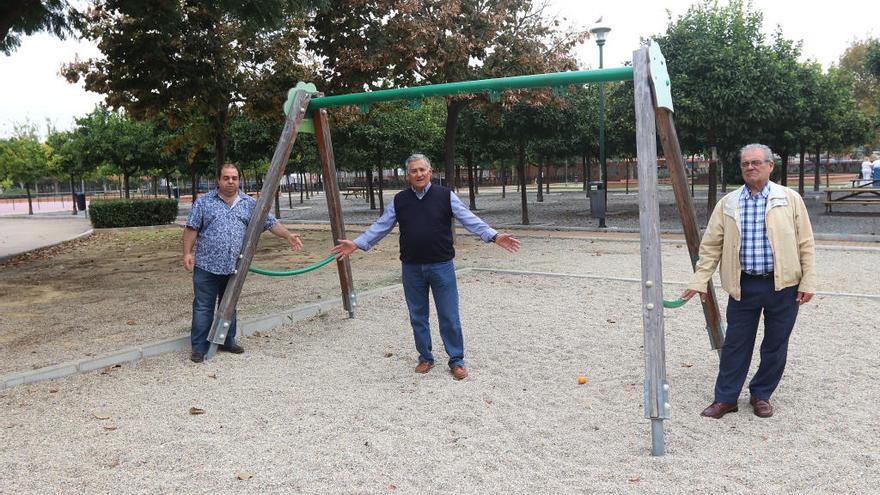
(755, 253)
(221, 230)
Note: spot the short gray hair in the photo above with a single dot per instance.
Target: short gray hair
(768, 153)
(416, 157)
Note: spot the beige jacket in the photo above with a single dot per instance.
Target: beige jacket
(789, 232)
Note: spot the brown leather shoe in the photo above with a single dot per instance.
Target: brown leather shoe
(718, 409)
(762, 408)
(424, 366)
(459, 372)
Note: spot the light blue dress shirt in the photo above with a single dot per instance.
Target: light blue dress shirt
(386, 222)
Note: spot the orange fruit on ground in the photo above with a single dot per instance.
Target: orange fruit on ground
(582, 379)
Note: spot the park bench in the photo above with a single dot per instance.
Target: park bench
(851, 196)
(355, 191)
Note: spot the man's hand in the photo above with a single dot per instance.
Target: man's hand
(508, 242)
(689, 293)
(804, 297)
(295, 242)
(344, 248)
(189, 261)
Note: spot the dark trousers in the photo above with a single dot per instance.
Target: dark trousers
(780, 312)
(208, 288)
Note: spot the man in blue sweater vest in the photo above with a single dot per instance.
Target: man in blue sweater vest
(425, 214)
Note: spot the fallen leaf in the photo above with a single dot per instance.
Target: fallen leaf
(102, 415)
(130, 322)
(53, 390)
(111, 427)
(635, 480)
(212, 375)
(611, 321)
(196, 410)
(392, 487)
(389, 354)
(686, 365)
(114, 463)
(488, 401)
(244, 476)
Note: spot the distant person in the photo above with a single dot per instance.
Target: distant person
(875, 170)
(216, 227)
(425, 214)
(867, 170)
(761, 237)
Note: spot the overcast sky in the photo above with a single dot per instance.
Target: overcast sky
(31, 89)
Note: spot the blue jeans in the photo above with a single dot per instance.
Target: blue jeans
(780, 312)
(208, 289)
(440, 279)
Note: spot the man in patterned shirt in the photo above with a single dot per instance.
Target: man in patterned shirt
(216, 227)
(761, 236)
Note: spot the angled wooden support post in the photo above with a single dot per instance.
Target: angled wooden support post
(656, 388)
(683, 200)
(223, 315)
(334, 205)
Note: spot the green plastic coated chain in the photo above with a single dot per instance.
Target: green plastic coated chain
(298, 271)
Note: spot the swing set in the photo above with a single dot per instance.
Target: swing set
(653, 110)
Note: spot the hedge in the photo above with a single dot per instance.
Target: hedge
(132, 213)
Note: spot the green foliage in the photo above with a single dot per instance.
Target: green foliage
(23, 159)
(21, 17)
(132, 213)
(872, 58)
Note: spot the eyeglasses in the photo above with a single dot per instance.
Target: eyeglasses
(753, 163)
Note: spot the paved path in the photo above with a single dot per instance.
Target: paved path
(21, 234)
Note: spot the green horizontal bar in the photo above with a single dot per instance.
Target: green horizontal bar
(298, 271)
(556, 79)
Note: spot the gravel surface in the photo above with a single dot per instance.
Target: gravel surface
(331, 405)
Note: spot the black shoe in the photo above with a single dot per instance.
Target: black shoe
(234, 348)
(196, 357)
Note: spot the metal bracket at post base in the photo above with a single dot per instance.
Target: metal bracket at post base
(663, 399)
(352, 303)
(217, 337)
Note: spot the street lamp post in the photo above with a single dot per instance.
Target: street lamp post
(600, 32)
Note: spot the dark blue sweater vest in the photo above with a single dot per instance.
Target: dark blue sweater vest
(425, 225)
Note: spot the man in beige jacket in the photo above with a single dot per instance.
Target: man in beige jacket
(760, 235)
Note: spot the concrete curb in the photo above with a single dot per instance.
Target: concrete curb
(174, 344)
(78, 236)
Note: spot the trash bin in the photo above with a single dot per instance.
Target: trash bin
(597, 199)
(80, 200)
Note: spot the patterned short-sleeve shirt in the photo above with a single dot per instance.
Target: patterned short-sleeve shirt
(221, 230)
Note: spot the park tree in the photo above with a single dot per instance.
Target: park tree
(191, 61)
(866, 84)
(716, 59)
(66, 159)
(24, 160)
(120, 144)
(26, 17)
(380, 43)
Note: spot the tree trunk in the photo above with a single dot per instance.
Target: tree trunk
(195, 187)
(453, 109)
(521, 172)
(816, 177)
(370, 189)
(471, 187)
(783, 167)
(586, 172)
(380, 157)
(73, 194)
(540, 180)
(125, 185)
(801, 170)
(289, 193)
(27, 188)
(713, 181)
(302, 185)
(503, 182)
